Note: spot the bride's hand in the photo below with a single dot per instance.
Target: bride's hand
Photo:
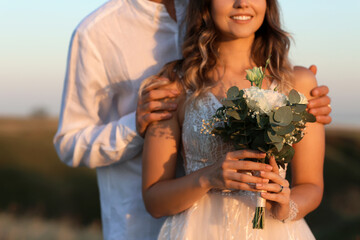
(232, 172)
(278, 192)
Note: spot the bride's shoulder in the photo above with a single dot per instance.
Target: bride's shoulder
(175, 86)
(162, 83)
(304, 80)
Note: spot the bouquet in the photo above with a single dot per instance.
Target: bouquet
(264, 120)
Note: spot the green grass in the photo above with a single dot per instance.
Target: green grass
(36, 188)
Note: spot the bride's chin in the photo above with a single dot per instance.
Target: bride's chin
(237, 36)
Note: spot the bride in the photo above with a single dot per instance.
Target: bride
(224, 38)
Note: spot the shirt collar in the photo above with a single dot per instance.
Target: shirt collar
(158, 10)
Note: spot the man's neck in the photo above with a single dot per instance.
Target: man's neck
(169, 5)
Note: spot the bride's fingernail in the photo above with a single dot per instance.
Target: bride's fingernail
(259, 185)
(265, 180)
(269, 167)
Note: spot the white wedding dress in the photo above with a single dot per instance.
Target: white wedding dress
(220, 215)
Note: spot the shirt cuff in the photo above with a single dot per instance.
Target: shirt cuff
(129, 121)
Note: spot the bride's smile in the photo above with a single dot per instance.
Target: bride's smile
(238, 19)
(242, 18)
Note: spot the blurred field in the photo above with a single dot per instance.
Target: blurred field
(36, 188)
(38, 228)
(41, 198)
(338, 216)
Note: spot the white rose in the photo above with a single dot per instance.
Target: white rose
(255, 95)
(275, 99)
(265, 100)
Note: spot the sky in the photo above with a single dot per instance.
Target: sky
(35, 35)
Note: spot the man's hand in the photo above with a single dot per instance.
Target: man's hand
(152, 105)
(320, 105)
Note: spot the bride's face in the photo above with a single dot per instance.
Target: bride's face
(238, 18)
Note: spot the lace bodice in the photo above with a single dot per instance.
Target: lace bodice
(200, 149)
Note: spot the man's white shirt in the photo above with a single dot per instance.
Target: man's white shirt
(112, 51)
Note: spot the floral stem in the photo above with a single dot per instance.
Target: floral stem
(259, 217)
(263, 74)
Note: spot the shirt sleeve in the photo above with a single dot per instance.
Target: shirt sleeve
(83, 137)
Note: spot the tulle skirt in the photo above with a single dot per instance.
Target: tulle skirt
(220, 216)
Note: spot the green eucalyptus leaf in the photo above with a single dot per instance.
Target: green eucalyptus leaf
(290, 151)
(287, 153)
(233, 92)
(294, 97)
(233, 113)
(308, 117)
(282, 124)
(299, 108)
(296, 117)
(242, 104)
(283, 116)
(274, 137)
(277, 127)
(241, 93)
(279, 146)
(261, 120)
(251, 104)
(280, 130)
(267, 138)
(271, 119)
(228, 103)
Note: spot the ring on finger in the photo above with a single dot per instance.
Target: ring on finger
(281, 188)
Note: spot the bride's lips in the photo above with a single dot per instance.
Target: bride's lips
(241, 18)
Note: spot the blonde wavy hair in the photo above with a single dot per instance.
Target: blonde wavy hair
(200, 54)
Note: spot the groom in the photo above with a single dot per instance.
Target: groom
(112, 51)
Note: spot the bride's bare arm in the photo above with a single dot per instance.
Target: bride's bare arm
(307, 165)
(163, 194)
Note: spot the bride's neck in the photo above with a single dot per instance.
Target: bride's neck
(235, 55)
